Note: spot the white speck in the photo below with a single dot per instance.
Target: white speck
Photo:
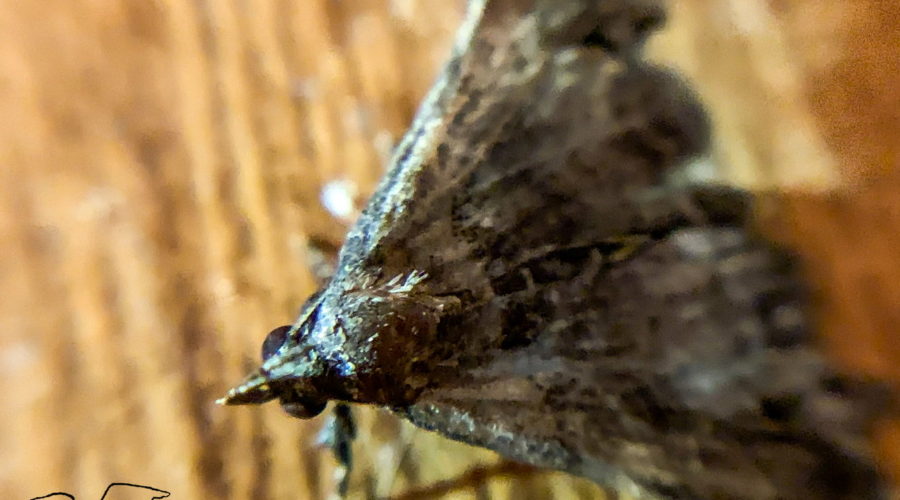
(357, 119)
(223, 288)
(98, 204)
(695, 244)
(306, 88)
(384, 142)
(403, 9)
(701, 170)
(749, 18)
(17, 357)
(338, 198)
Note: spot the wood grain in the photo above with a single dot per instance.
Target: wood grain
(161, 165)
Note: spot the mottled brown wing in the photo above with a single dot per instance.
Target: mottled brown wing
(542, 132)
(528, 278)
(684, 371)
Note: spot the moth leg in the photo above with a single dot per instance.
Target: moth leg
(406, 463)
(666, 208)
(338, 434)
(720, 204)
(474, 480)
(321, 256)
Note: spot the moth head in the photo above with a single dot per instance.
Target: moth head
(289, 372)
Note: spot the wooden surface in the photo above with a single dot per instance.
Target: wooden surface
(161, 165)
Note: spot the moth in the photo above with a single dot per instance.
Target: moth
(531, 276)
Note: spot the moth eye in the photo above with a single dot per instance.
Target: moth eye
(274, 341)
(303, 407)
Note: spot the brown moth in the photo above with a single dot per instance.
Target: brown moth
(528, 277)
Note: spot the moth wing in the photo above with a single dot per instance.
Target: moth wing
(530, 127)
(683, 371)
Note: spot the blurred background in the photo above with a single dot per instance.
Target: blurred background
(165, 164)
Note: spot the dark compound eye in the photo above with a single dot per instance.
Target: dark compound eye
(303, 407)
(274, 341)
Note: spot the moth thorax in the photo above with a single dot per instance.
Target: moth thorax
(394, 336)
